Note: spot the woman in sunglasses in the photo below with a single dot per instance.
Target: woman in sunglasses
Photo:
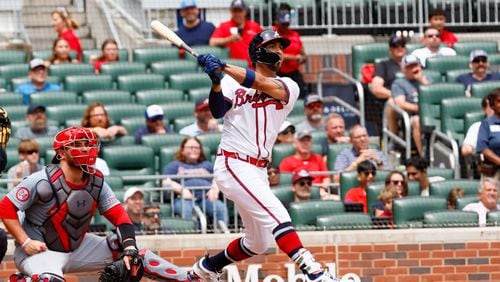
(395, 181)
(29, 157)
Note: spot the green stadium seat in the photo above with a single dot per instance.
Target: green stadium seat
(296, 119)
(168, 68)
(180, 123)
(346, 221)
(12, 57)
(54, 98)
(373, 190)
(464, 201)
(115, 182)
(471, 118)
(197, 93)
(366, 53)
(446, 173)
(450, 219)
(410, 47)
(158, 141)
(63, 70)
(138, 82)
(187, 81)
(350, 180)
(106, 97)
(429, 102)
(434, 76)
(3, 84)
(409, 211)
(176, 110)
(16, 112)
(482, 89)
(47, 54)
(493, 218)
(117, 112)
(165, 210)
(88, 53)
(133, 124)
(158, 96)
(11, 99)
(442, 188)
(453, 111)
(210, 140)
(12, 158)
(62, 113)
(281, 151)
(45, 144)
(494, 59)
(119, 161)
(8, 72)
(151, 55)
(442, 64)
(180, 226)
(167, 154)
(318, 137)
(221, 53)
(72, 122)
(298, 109)
(333, 152)
(464, 48)
(99, 219)
(122, 68)
(452, 75)
(237, 62)
(304, 213)
(82, 83)
(15, 82)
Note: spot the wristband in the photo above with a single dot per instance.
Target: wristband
(249, 78)
(25, 242)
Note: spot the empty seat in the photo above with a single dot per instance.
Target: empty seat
(366, 53)
(180, 226)
(442, 188)
(11, 99)
(115, 182)
(453, 112)
(180, 123)
(88, 53)
(464, 48)
(16, 112)
(452, 75)
(122, 68)
(281, 151)
(333, 152)
(482, 89)
(158, 96)
(151, 55)
(157, 141)
(464, 201)
(409, 211)
(429, 102)
(63, 70)
(304, 213)
(45, 144)
(3, 84)
(493, 218)
(8, 72)
(119, 161)
(442, 64)
(346, 221)
(82, 83)
(136, 82)
(167, 154)
(53, 98)
(188, 81)
(62, 113)
(117, 112)
(106, 97)
(210, 140)
(176, 110)
(168, 68)
(197, 93)
(447, 219)
(133, 124)
(446, 173)
(12, 57)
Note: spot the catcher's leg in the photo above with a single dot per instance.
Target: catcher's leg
(43, 277)
(156, 267)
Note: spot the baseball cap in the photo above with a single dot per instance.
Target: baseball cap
(301, 134)
(201, 103)
(286, 124)
(153, 111)
(312, 98)
(34, 107)
(130, 192)
(238, 4)
(476, 54)
(396, 41)
(409, 60)
(298, 175)
(283, 17)
(35, 63)
(188, 4)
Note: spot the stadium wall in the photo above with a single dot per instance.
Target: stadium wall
(410, 255)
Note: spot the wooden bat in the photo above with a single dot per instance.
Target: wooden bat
(168, 34)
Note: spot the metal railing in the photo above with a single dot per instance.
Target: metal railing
(449, 141)
(389, 137)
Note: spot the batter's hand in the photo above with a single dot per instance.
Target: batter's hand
(212, 66)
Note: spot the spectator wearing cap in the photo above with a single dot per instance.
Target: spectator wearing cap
(29, 156)
(313, 109)
(349, 158)
(38, 81)
(367, 172)
(154, 123)
(432, 47)
(405, 94)
(301, 187)
(205, 122)
(237, 32)
(286, 133)
(294, 55)
(37, 124)
(437, 20)
(478, 62)
(194, 31)
(133, 200)
(304, 158)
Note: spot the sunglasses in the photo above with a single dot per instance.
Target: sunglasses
(397, 182)
(151, 214)
(155, 119)
(305, 182)
(29, 152)
(480, 60)
(366, 173)
(288, 131)
(432, 35)
(412, 173)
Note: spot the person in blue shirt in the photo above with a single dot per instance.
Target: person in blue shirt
(194, 30)
(154, 123)
(479, 65)
(38, 81)
(488, 140)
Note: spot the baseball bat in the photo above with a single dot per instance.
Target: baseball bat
(166, 32)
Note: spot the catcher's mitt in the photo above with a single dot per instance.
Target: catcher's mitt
(117, 271)
(5, 128)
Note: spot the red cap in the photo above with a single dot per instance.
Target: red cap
(300, 174)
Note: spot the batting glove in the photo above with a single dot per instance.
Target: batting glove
(212, 66)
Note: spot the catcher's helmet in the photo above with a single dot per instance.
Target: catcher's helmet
(81, 143)
(260, 54)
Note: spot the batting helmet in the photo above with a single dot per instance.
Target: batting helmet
(260, 54)
(81, 143)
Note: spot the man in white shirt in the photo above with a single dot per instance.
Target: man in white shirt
(205, 122)
(433, 48)
(488, 199)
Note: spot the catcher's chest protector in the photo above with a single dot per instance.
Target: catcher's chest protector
(70, 217)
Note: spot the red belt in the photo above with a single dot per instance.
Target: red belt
(248, 159)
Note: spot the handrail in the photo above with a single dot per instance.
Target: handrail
(109, 20)
(454, 148)
(361, 94)
(386, 133)
(131, 20)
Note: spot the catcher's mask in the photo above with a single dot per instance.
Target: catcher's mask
(258, 52)
(81, 143)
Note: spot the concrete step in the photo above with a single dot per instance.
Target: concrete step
(54, 3)
(48, 32)
(48, 9)
(41, 19)
(46, 43)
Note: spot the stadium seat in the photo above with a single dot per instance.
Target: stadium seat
(62, 113)
(180, 123)
(12, 57)
(106, 97)
(47, 54)
(453, 111)
(237, 62)
(180, 226)
(450, 219)
(442, 188)
(442, 64)
(122, 68)
(197, 93)
(138, 82)
(158, 96)
(167, 154)
(409, 211)
(210, 140)
(11, 99)
(318, 137)
(298, 109)
(187, 81)
(434, 76)
(493, 218)
(429, 102)
(221, 53)
(346, 221)
(158, 141)
(464, 201)
(117, 112)
(115, 182)
(133, 124)
(176, 110)
(54, 98)
(373, 191)
(151, 55)
(166, 210)
(168, 68)
(349, 179)
(119, 161)
(482, 89)
(367, 53)
(304, 213)
(446, 173)
(45, 144)
(464, 48)
(3, 84)
(281, 151)
(471, 118)
(82, 83)
(15, 82)
(72, 122)
(88, 53)
(410, 47)
(8, 72)
(13, 141)
(333, 152)
(452, 75)
(16, 112)
(63, 70)
(494, 59)
(12, 158)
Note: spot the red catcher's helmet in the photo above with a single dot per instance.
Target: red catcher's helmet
(81, 143)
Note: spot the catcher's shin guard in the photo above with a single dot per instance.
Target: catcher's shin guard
(157, 268)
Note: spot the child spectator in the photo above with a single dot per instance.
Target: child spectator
(453, 196)
(367, 172)
(437, 20)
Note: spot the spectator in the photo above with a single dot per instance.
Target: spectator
(367, 172)
(29, 155)
(294, 55)
(109, 49)
(432, 47)
(349, 158)
(305, 159)
(488, 140)
(313, 109)
(405, 94)
(60, 53)
(396, 182)
(335, 131)
(286, 133)
(37, 124)
(437, 20)
(194, 31)
(488, 199)
(38, 81)
(273, 174)
(134, 205)
(96, 117)
(301, 186)
(470, 141)
(386, 197)
(205, 122)
(64, 25)
(453, 196)
(478, 62)
(416, 169)
(190, 162)
(236, 33)
(154, 123)
(151, 220)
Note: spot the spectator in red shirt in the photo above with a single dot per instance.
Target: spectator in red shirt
(366, 175)
(437, 20)
(64, 25)
(109, 54)
(236, 33)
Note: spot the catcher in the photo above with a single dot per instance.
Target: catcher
(59, 203)
(4, 138)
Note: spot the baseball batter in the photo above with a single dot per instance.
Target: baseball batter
(254, 104)
(58, 204)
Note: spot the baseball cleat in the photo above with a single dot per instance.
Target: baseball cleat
(325, 276)
(201, 273)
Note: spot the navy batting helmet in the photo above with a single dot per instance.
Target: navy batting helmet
(260, 54)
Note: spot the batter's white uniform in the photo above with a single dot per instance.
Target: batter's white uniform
(250, 130)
